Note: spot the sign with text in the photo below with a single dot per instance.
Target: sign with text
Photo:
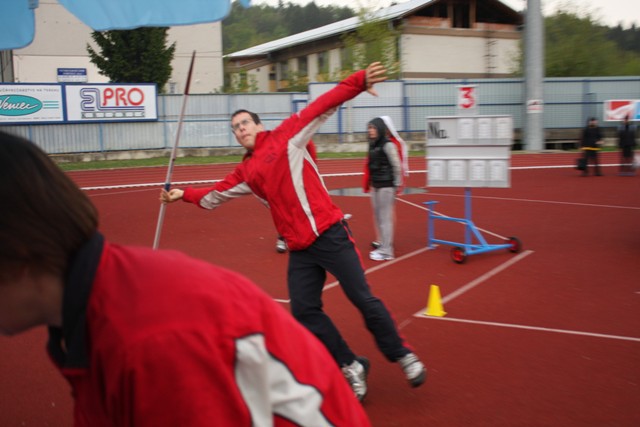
(535, 106)
(111, 102)
(467, 99)
(72, 75)
(617, 109)
(469, 151)
(21, 103)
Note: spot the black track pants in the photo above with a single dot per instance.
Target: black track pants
(334, 251)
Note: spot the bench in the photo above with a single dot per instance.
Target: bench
(569, 144)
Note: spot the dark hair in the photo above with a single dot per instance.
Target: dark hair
(381, 126)
(254, 116)
(44, 217)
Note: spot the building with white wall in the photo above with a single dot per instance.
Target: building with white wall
(61, 42)
(437, 39)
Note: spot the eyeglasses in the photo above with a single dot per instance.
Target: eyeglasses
(242, 123)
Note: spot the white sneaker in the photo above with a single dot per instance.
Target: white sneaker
(379, 256)
(281, 246)
(356, 375)
(414, 370)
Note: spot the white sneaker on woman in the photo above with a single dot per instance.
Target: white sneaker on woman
(379, 256)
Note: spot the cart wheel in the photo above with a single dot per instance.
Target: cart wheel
(516, 246)
(458, 255)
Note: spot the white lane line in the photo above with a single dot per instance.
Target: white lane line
(455, 294)
(533, 328)
(472, 284)
(370, 270)
(550, 202)
(382, 265)
(476, 282)
(419, 251)
(441, 214)
(149, 184)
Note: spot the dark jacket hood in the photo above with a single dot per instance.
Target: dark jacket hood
(382, 128)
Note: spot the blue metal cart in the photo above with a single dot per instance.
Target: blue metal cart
(461, 251)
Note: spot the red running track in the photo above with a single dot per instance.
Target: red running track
(195, 174)
(546, 337)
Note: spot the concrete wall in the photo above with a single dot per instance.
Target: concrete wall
(456, 57)
(61, 42)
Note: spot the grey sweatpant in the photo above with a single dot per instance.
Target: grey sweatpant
(383, 203)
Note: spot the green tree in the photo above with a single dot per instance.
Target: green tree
(578, 46)
(626, 39)
(134, 56)
(258, 24)
(373, 40)
(297, 82)
(252, 26)
(240, 83)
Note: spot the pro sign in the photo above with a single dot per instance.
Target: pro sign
(109, 102)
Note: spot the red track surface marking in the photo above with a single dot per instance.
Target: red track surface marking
(478, 280)
(535, 345)
(208, 173)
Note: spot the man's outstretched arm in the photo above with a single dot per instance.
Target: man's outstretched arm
(309, 119)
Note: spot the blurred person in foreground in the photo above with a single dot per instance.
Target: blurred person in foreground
(278, 169)
(151, 338)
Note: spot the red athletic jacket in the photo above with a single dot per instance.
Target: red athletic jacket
(155, 338)
(279, 170)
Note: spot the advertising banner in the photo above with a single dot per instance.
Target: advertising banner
(111, 102)
(34, 103)
(617, 109)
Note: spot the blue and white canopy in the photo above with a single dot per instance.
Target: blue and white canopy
(18, 22)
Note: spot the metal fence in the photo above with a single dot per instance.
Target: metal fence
(568, 104)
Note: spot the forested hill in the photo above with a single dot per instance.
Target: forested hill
(259, 23)
(626, 38)
(575, 44)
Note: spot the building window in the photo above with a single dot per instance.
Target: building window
(284, 70)
(302, 66)
(461, 15)
(283, 75)
(323, 63)
(346, 58)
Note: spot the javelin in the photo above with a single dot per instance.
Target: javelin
(167, 181)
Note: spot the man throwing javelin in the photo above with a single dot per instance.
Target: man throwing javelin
(278, 169)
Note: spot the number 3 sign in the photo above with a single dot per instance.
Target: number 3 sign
(467, 99)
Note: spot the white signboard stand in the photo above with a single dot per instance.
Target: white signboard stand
(468, 151)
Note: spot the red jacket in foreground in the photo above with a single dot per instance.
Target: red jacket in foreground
(155, 338)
